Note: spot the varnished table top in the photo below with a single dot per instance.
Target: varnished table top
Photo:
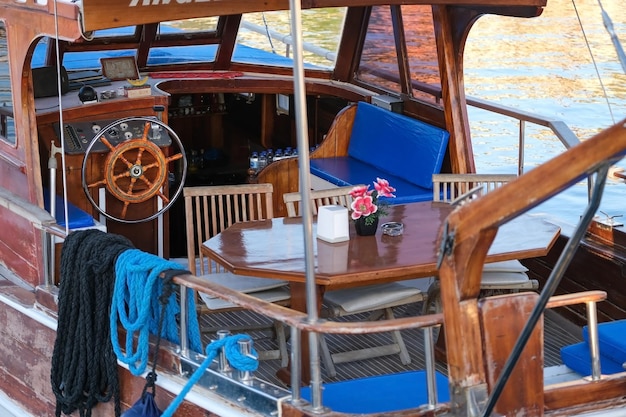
(275, 248)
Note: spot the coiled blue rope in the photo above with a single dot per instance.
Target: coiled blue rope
(136, 304)
(236, 359)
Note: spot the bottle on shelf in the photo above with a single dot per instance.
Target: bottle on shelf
(193, 163)
(201, 159)
(262, 160)
(254, 162)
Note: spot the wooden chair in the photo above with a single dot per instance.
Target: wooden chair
(449, 187)
(209, 210)
(333, 196)
(377, 300)
(504, 276)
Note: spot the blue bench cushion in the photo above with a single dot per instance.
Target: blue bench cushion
(78, 217)
(611, 339)
(577, 358)
(345, 171)
(380, 394)
(396, 144)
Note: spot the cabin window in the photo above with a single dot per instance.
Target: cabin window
(268, 32)
(7, 127)
(208, 24)
(422, 50)
(170, 34)
(379, 64)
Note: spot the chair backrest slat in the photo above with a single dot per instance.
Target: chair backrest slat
(448, 187)
(337, 196)
(211, 209)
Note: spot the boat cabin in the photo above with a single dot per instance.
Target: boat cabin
(111, 111)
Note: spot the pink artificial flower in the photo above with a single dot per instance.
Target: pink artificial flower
(363, 206)
(383, 188)
(360, 191)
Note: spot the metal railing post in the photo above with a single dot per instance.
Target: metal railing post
(594, 344)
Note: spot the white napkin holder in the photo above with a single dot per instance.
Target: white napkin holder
(332, 223)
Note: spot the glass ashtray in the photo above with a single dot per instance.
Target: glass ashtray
(392, 228)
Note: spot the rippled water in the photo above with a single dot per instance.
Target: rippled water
(543, 65)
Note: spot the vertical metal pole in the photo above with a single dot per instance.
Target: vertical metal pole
(49, 248)
(223, 364)
(245, 348)
(522, 144)
(305, 190)
(296, 365)
(48, 258)
(184, 343)
(429, 358)
(594, 344)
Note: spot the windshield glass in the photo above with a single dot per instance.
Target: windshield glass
(269, 32)
(379, 61)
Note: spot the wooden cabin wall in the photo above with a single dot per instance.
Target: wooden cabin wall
(243, 124)
(143, 235)
(284, 174)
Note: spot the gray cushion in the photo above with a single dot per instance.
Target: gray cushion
(271, 290)
(505, 266)
(372, 297)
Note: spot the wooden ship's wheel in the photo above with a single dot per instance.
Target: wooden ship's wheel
(135, 169)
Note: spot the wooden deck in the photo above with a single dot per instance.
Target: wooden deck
(558, 333)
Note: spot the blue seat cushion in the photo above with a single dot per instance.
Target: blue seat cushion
(577, 358)
(345, 171)
(611, 339)
(380, 394)
(397, 144)
(78, 217)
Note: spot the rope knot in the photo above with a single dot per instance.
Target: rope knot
(238, 360)
(233, 354)
(151, 379)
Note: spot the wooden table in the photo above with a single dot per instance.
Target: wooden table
(275, 249)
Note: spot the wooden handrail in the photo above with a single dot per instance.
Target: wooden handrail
(298, 319)
(576, 298)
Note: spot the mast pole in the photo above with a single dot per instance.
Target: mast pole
(307, 216)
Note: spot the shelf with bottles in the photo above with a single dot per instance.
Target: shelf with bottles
(260, 159)
(195, 105)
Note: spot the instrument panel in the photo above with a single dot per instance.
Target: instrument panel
(78, 135)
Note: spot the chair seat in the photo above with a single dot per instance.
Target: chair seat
(271, 290)
(372, 297)
(506, 275)
(503, 278)
(505, 266)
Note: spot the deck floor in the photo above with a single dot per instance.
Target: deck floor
(557, 334)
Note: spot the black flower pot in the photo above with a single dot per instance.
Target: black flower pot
(363, 229)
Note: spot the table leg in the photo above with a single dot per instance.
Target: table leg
(298, 302)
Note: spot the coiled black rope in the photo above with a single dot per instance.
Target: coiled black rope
(84, 366)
